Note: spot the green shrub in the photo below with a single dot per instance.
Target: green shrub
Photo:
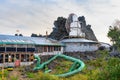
(111, 71)
(5, 73)
(30, 75)
(93, 74)
(103, 53)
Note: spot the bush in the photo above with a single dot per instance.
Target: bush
(5, 73)
(30, 75)
(103, 54)
(111, 71)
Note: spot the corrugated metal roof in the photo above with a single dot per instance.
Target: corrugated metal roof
(78, 40)
(8, 39)
(45, 41)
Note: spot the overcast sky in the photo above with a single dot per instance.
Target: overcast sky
(37, 16)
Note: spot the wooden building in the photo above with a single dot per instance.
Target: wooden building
(14, 48)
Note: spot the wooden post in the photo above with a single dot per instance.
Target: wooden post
(3, 72)
(29, 57)
(3, 58)
(19, 56)
(47, 48)
(15, 56)
(5, 53)
(16, 47)
(52, 49)
(26, 53)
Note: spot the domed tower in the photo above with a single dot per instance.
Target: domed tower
(73, 26)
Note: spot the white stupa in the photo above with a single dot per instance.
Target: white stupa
(76, 41)
(75, 27)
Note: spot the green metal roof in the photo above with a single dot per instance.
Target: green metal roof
(8, 39)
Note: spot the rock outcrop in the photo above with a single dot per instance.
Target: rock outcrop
(89, 34)
(60, 31)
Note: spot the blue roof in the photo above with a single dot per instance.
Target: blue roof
(9, 39)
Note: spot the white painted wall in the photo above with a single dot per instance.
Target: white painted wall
(78, 47)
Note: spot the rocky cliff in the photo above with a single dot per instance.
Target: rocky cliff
(89, 34)
(59, 30)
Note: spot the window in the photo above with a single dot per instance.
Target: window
(31, 57)
(37, 50)
(52, 48)
(6, 57)
(10, 49)
(30, 49)
(2, 49)
(45, 48)
(12, 56)
(27, 57)
(17, 56)
(49, 49)
(22, 57)
(57, 48)
(41, 49)
(21, 49)
(1, 58)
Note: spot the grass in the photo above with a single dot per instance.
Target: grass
(30, 75)
(41, 76)
(58, 66)
(14, 78)
(63, 66)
